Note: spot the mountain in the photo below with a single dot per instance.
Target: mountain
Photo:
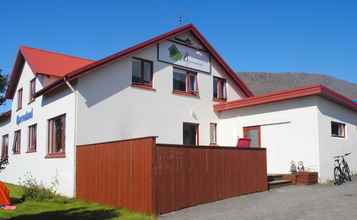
(264, 82)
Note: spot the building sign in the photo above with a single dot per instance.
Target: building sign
(181, 55)
(24, 117)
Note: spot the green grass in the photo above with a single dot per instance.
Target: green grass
(63, 209)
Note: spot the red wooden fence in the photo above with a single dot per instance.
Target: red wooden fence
(187, 176)
(155, 178)
(117, 173)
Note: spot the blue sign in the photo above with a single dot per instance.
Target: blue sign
(26, 116)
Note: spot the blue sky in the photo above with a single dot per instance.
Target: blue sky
(317, 36)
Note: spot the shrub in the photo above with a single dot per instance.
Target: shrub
(34, 190)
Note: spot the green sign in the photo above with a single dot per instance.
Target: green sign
(175, 54)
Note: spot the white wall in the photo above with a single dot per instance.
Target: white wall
(110, 109)
(289, 131)
(44, 108)
(332, 146)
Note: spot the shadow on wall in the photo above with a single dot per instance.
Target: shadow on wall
(80, 213)
(272, 107)
(335, 112)
(53, 96)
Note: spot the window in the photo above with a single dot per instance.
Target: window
(219, 89)
(185, 82)
(32, 89)
(253, 133)
(190, 134)
(213, 133)
(56, 136)
(142, 72)
(17, 142)
(19, 99)
(32, 138)
(337, 129)
(5, 147)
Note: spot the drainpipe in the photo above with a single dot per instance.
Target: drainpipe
(75, 132)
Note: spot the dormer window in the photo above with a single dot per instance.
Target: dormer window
(142, 72)
(19, 99)
(219, 89)
(32, 90)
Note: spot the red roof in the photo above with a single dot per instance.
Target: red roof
(78, 72)
(43, 62)
(300, 92)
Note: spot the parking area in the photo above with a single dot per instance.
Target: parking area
(324, 201)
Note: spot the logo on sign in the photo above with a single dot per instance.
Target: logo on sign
(24, 117)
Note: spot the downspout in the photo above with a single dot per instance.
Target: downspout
(75, 132)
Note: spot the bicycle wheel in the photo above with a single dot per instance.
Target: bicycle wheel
(347, 172)
(337, 176)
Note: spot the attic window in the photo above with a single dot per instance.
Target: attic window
(32, 89)
(142, 72)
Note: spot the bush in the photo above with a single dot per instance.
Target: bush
(33, 190)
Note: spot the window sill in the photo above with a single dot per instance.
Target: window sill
(16, 153)
(219, 100)
(143, 86)
(176, 92)
(18, 109)
(336, 136)
(31, 151)
(55, 155)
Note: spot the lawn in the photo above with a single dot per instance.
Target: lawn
(63, 209)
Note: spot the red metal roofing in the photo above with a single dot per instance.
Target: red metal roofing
(78, 72)
(278, 96)
(43, 62)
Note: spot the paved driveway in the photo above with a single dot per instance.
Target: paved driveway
(291, 202)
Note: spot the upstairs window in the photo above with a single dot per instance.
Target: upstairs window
(56, 136)
(32, 138)
(32, 90)
(5, 147)
(185, 82)
(142, 72)
(19, 99)
(219, 89)
(337, 129)
(16, 148)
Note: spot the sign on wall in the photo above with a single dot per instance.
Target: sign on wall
(181, 55)
(24, 117)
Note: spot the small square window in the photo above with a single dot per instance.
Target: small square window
(337, 129)
(185, 81)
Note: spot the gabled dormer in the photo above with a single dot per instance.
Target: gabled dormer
(35, 69)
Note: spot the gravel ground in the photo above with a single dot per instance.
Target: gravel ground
(285, 203)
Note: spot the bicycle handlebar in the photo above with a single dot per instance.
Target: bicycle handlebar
(343, 155)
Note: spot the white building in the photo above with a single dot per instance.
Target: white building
(174, 86)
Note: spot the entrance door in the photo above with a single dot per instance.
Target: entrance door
(253, 133)
(190, 134)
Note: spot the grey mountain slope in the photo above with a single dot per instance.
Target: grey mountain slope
(264, 82)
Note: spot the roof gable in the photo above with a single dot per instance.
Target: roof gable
(43, 62)
(80, 71)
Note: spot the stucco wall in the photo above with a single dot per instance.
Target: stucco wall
(110, 109)
(332, 146)
(289, 131)
(44, 108)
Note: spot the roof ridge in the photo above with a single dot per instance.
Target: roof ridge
(55, 52)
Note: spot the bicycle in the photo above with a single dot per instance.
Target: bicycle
(341, 173)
